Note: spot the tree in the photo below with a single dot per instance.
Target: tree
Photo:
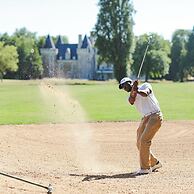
(63, 38)
(156, 63)
(8, 59)
(30, 63)
(114, 36)
(7, 39)
(178, 67)
(190, 54)
(36, 68)
(40, 42)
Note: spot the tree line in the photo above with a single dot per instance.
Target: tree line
(116, 44)
(20, 56)
(25, 62)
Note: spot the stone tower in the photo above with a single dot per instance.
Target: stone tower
(49, 54)
(86, 57)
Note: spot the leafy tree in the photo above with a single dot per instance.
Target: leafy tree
(40, 42)
(190, 53)
(63, 38)
(8, 59)
(24, 33)
(114, 36)
(178, 67)
(7, 39)
(35, 69)
(156, 63)
(30, 64)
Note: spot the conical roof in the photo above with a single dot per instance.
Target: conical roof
(59, 42)
(49, 42)
(86, 42)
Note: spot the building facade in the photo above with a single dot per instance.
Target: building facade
(77, 61)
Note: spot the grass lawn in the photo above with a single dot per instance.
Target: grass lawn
(107, 102)
(104, 102)
(22, 103)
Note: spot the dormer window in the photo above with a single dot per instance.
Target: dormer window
(68, 54)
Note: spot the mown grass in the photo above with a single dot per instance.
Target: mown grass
(107, 102)
(22, 103)
(176, 100)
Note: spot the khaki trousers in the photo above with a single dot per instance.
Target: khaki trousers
(148, 127)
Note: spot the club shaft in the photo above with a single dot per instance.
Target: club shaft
(20, 179)
(143, 59)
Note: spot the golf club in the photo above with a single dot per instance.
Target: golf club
(49, 188)
(148, 44)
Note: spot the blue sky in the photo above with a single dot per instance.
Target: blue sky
(73, 17)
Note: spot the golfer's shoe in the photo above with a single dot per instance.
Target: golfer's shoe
(157, 166)
(142, 172)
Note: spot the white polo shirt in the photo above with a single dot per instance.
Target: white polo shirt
(146, 105)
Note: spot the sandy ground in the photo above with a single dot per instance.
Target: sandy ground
(94, 158)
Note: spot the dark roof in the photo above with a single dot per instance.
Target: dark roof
(49, 42)
(59, 41)
(63, 48)
(86, 42)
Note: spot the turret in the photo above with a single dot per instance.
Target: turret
(59, 42)
(49, 43)
(49, 53)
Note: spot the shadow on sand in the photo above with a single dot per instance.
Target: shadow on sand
(87, 177)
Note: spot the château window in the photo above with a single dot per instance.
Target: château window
(68, 54)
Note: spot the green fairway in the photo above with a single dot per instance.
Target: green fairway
(176, 100)
(107, 102)
(22, 103)
(104, 102)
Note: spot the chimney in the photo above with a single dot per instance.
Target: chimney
(92, 40)
(79, 41)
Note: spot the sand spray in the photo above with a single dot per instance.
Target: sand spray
(72, 114)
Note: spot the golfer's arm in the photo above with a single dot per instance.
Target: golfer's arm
(144, 92)
(132, 97)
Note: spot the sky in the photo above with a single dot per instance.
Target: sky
(74, 17)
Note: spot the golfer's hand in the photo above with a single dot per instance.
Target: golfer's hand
(133, 93)
(135, 85)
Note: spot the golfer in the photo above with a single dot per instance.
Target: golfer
(143, 98)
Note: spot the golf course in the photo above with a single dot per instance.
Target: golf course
(80, 137)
